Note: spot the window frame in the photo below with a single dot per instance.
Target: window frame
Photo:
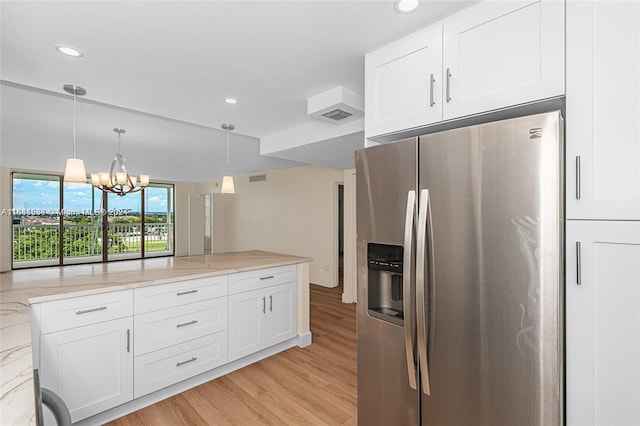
(171, 197)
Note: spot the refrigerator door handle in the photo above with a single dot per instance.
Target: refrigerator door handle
(409, 324)
(420, 290)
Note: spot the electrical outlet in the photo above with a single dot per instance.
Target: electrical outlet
(326, 268)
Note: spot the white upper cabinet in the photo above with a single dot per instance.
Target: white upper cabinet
(403, 83)
(603, 110)
(603, 323)
(493, 55)
(499, 54)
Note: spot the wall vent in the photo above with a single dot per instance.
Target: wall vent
(337, 114)
(336, 106)
(257, 178)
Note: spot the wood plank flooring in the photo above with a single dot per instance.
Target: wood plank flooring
(315, 385)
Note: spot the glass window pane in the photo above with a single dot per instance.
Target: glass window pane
(158, 219)
(36, 220)
(82, 223)
(125, 226)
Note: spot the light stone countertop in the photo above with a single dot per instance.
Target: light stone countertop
(20, 288)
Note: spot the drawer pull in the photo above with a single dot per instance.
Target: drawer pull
(266, 278)
(182, 293)
(86, 311)
(187, 361)
(187, 323)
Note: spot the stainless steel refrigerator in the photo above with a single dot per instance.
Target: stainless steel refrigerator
(460, 276)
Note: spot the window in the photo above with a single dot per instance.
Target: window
(56, 223)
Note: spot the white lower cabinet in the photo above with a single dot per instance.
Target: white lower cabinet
(165, 367)
(103, 350)
(603, 323)
(247, 323)
(281, 313)
(160, 329)
(261, 318)
(90, 367)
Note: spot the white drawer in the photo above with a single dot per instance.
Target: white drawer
(168, 327)
(153, 298)
(85, 310)
(261, 278)
(168, 366)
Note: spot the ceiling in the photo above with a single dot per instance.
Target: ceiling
(161, 70)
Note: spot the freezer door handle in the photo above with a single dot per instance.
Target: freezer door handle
(421, 251)
(409, 323)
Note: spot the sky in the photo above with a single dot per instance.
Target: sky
(44, 195)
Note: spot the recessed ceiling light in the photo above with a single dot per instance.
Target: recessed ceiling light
(406, 6)
(231, 100)
(69, 51)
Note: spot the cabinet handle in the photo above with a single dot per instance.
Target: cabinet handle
(578, 177)
(264, 305)
(182, 293)
(178, 364)
(271, 303)
(128, 340)
(578, 263)
(266, 278)
(187, 323)
(432, 80)
(86, 311)
(448, 84)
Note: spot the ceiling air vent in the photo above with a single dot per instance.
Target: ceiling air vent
(336, 106)
(337, 114)
(257, 178)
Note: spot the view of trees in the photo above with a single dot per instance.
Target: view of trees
(82, 236)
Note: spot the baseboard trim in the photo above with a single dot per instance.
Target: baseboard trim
(347, 299)
(302, 340)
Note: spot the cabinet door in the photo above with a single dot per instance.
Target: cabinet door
(603, 106)
(499, 54)
(91, 367)
(403, 84)
(603, 323)
(246, 323)
(281, 313)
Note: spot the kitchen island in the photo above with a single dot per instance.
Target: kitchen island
(20, 289)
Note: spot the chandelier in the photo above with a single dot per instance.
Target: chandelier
(118, 180)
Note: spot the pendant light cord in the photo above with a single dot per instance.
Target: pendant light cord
(228, 153)
(75, 97)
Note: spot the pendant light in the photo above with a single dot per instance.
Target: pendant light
(118, 180)
(74, 171)
(227, 180)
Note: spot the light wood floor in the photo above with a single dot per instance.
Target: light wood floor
(314, 386)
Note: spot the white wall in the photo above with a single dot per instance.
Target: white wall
(292, 212)
(182, 192)
(5, 220)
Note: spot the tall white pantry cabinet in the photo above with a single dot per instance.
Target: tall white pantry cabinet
(603, 213)
(588, 51)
